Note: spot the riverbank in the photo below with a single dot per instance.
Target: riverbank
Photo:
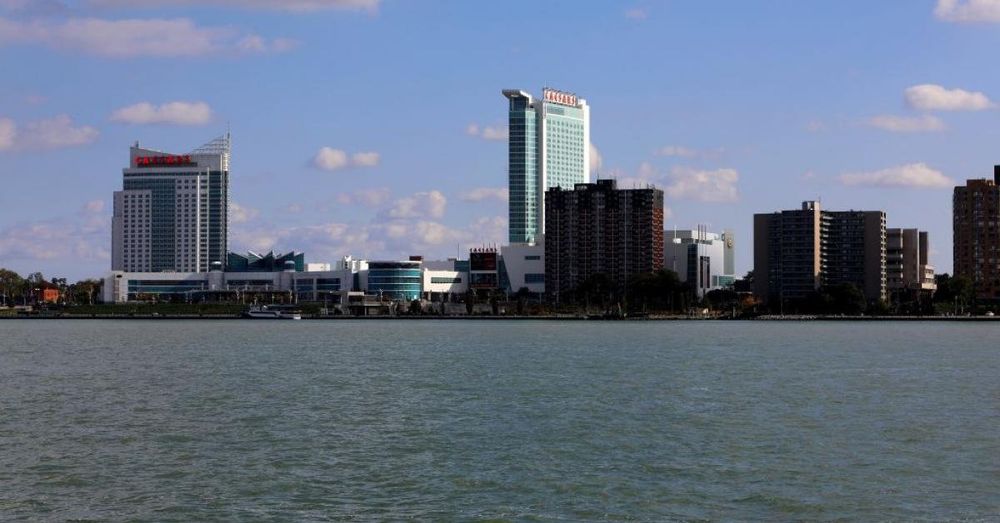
(552, 317)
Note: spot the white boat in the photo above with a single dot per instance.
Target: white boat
(264, 312)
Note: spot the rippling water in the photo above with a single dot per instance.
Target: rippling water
(439, 420)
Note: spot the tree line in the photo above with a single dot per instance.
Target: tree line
(18, 290)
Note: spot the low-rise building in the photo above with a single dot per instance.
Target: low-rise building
(704, 259)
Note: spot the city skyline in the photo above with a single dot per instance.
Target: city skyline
(386, 151)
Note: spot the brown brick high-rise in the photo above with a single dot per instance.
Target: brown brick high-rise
(976, 229)
(599, 229)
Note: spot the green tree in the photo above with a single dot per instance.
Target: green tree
(11, 286)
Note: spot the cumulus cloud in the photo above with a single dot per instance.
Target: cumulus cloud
(917, 175)
(330, 159)
(968, 11)
(595, 159)
(8, 133)
(680, 151)
(685, 183)
(81, 236)
(53, 133)
(364, 197)
(719, 185)
(907, 124)
(174, 113)
(130, 38)
(427, 204)
(481, 194)
(494, 133)
(300, 6)
(241, 214)
(931, 97)
(366, 159)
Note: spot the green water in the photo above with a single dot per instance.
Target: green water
(466, 420)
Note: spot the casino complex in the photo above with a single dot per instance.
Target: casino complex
(170, 231)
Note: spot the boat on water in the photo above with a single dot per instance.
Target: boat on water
(264, 312)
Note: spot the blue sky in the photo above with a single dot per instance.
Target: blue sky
(375, 127)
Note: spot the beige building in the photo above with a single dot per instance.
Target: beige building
(907, 267)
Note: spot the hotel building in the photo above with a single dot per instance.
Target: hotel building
(172, 211)
(798, 251)
(549, 146)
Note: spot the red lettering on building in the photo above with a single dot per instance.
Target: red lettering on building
(160, 161)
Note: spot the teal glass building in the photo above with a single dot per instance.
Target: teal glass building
(398, 280)
(548, 146)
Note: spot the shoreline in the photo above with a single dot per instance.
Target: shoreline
(786, 318)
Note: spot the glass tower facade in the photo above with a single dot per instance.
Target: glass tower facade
(548, 147)
(172, 213)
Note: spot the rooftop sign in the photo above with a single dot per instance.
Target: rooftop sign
(559, 97)
(183, 160)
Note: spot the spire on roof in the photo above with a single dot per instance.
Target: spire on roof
(218, 145)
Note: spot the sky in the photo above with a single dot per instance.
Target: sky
(376, 128)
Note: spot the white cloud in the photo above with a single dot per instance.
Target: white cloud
(330, 159)
(719, 185)
(52, 133)
(917, 175)
(176, 37)
(364, 197)
(497, 133)
(302, 6)
(636, 13)
(907, 124)
(679, 151)
(480, 194)
(685, 183)
(427, 204)
(8, 133)
(81, 236)
(968, 11)
(175, 113)
(241, 214)
(366, 159)
(931, 97)
(595, 159)
(385, 237)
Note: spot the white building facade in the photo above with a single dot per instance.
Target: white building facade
(548, 146)
(704, 259)
(172, 211)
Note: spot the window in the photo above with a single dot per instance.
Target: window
(534, 278)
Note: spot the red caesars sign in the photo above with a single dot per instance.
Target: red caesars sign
(559, 97)
(163, 161)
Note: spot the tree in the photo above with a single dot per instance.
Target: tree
(843, 298)
(11, 286)
(415, 307)
(954, 290)
(522, 296)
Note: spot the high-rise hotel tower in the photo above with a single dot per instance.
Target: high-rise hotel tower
(172, 213)
(549, 146)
